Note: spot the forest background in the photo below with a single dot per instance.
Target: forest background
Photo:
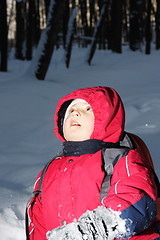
(27, 25)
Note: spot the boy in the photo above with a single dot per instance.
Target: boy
(101, 185)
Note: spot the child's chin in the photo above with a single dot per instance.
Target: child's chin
(77, 139)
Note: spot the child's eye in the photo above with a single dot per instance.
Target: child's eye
(89, 108)
(72, 110)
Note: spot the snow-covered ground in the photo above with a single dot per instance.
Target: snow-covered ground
(27, 107)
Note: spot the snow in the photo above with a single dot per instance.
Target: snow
(91, 224)
(27, 105)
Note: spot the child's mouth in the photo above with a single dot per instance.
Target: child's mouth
(75, 124)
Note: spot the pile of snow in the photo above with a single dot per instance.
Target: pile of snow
(27, 139)
(91, 223)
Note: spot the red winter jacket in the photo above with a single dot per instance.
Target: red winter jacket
(72, 183)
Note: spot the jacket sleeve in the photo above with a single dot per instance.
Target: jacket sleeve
(35, 227)
(133, 193)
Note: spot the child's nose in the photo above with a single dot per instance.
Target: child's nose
(76, 113)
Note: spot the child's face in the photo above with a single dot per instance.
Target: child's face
(79, 124)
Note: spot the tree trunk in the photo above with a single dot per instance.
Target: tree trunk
(116, 25)
(47, 3)
(3, 35)
(19, 31)
(148, 27)
(70, 34)
(29, 40)
(83, 6)
(92, 46)
(73, 4)
(36, 23)
(158, 25)
(102, 30)
(65, 21)
(125, 32)
(11, 13)
(48, 38)
(136, 23)
(108, 27)
(92, 16)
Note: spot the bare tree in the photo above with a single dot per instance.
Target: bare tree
(116, 25)
(65, 21)
(11, 14)
(136, 23)
(19, 53)
(92, 46)
(36, 22)
(69, 39)
(158, 25)
(47, 3)
(29, 36)
(109, 27)
(3, 35)
(83, 6)
(48, 38)
(102, 30)
(92, 12)
(148, 27)
(125, 32)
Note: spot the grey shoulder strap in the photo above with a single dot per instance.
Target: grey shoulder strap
(110, 156)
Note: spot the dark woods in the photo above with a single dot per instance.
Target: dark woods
(43, 25)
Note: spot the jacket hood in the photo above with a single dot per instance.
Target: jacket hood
(109, 114)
